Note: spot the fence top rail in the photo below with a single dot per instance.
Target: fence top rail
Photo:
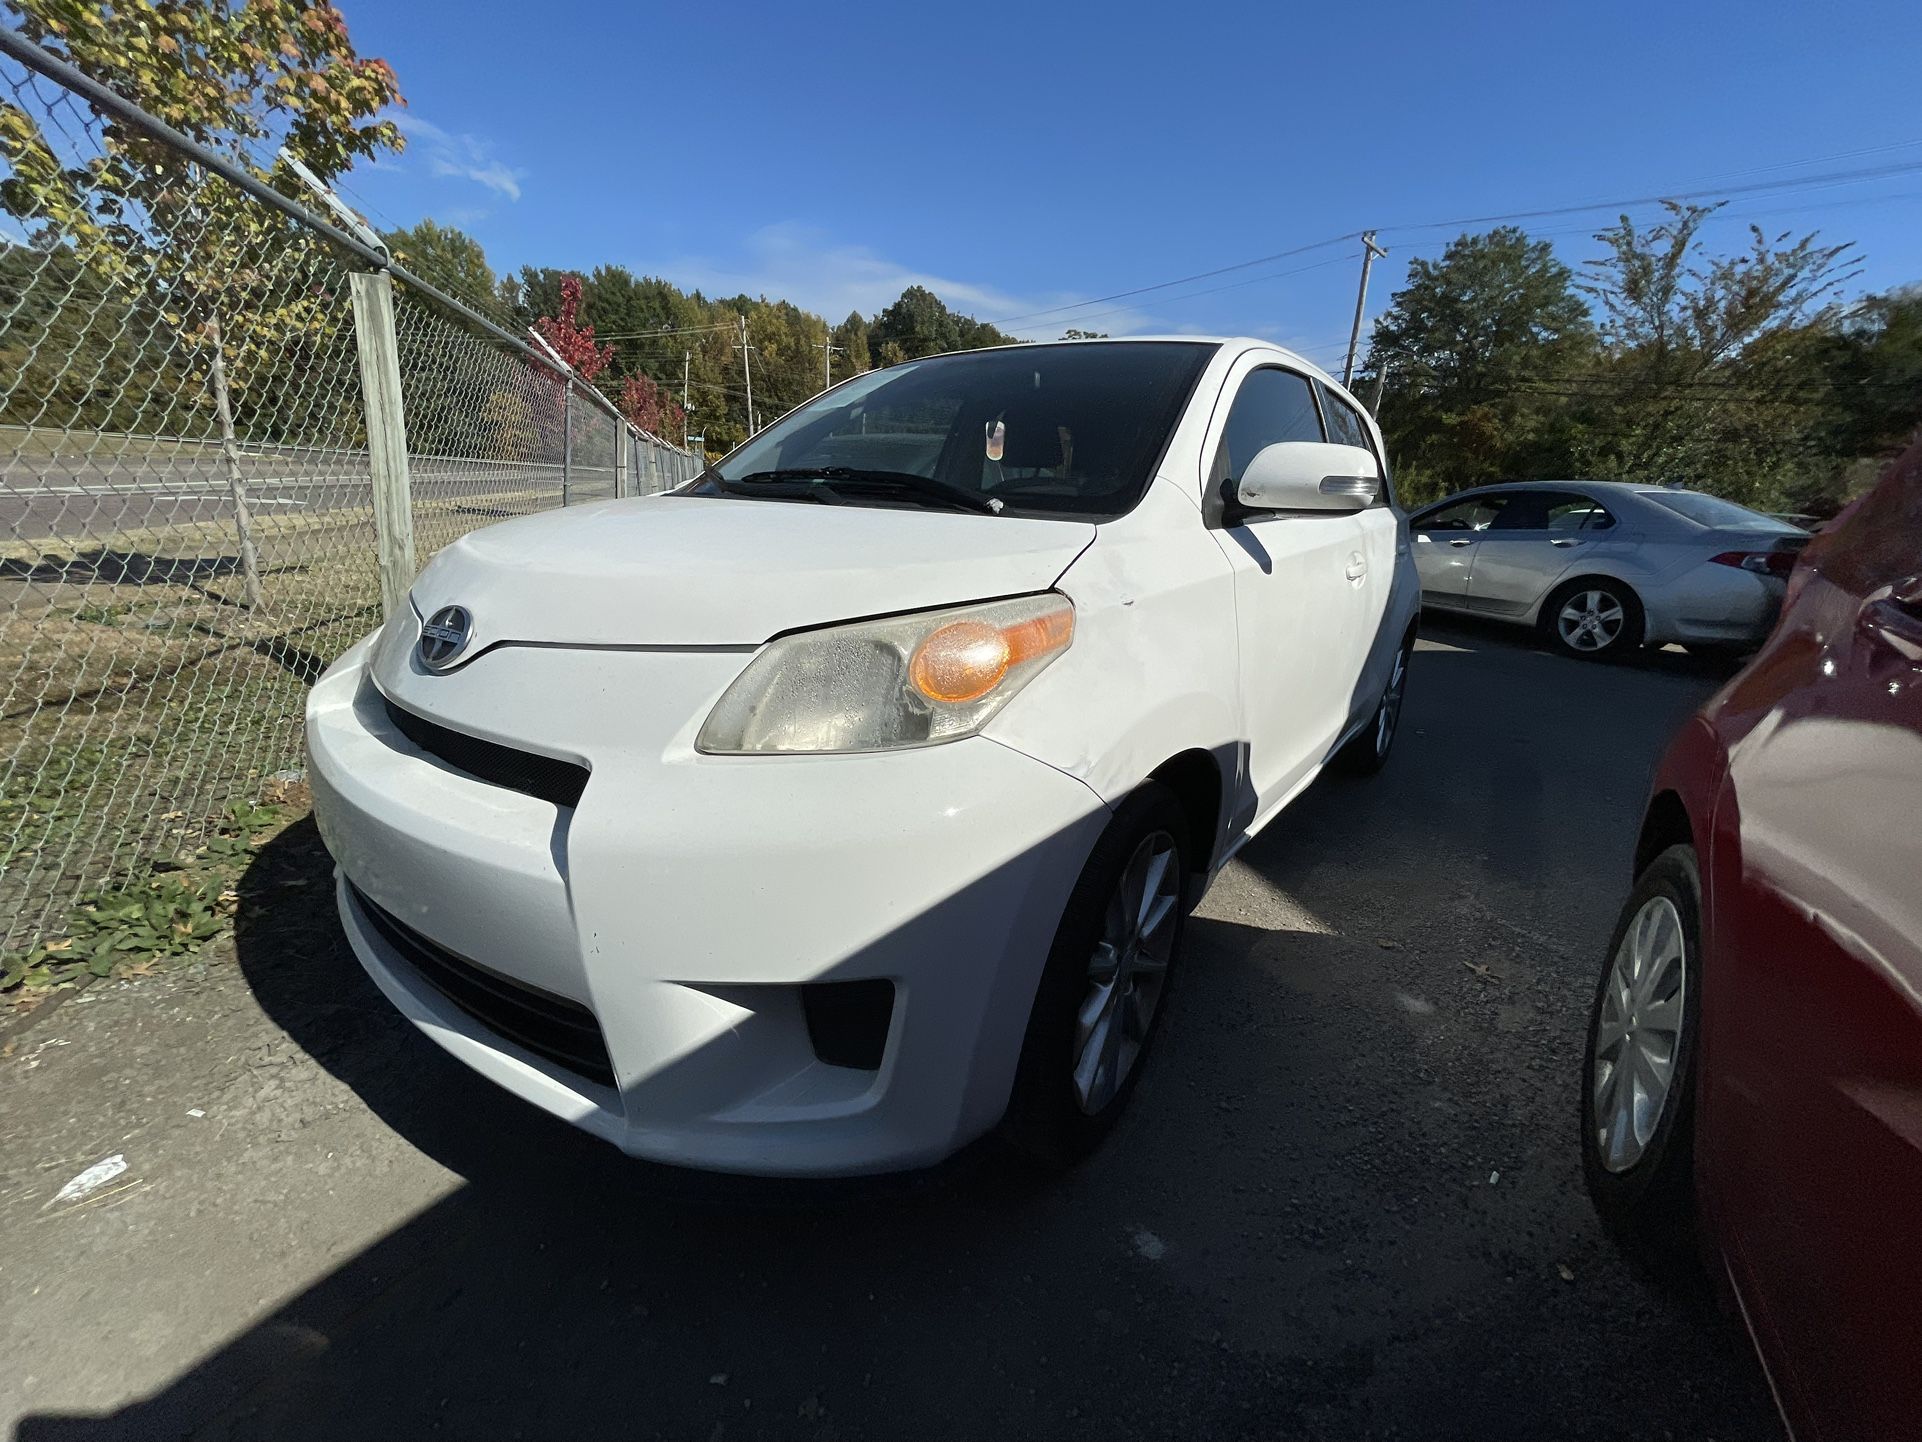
(112, 102)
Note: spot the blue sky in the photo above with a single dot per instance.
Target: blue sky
(1017, 158)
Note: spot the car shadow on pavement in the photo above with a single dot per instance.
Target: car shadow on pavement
(1344, 1202)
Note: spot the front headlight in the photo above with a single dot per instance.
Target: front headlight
(880, 685)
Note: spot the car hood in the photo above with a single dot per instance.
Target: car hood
(701, 571)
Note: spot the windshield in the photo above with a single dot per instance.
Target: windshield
(1716, 512)
(1054, 430)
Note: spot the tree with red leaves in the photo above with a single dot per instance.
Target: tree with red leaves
(648, 406)
(572, 341)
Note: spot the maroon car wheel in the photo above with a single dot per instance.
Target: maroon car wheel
(1638, 1076)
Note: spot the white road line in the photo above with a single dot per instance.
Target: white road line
(171, 488)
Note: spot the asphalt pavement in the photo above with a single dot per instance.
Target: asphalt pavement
(1346, 1201)
(97, 497)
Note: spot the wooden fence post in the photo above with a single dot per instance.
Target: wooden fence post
(379, 351)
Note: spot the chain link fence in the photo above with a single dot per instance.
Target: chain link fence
(191, 522)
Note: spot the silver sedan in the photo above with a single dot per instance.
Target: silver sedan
(1602, 567)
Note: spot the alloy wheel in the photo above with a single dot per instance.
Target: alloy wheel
(1591, 621)
(1638, 1033)
(1128, 970)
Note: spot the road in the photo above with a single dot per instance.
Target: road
(98, 497)
(1346, 1201)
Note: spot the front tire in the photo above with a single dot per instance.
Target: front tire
(1638, 1074)
(1593, 619)
(1366, 752)
(1105, 985)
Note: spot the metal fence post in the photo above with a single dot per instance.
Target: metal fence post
(623, 448)
(567, 439)
(379, 352)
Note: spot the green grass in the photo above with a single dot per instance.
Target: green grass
(165, 911)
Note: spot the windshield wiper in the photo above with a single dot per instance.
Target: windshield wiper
(926, 487)
(766, 484)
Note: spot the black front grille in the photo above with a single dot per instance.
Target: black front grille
(551, 1027)
(560, 782)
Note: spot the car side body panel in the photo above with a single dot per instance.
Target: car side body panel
(1662, 558)
(1152, 671)
(1802, 782)
(1161, 657)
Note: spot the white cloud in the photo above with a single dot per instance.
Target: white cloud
(806, 265)
(460, 156)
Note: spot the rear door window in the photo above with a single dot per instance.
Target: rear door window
(1578, 513)
(1345, 426)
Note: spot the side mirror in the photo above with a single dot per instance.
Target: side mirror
(1309, 476)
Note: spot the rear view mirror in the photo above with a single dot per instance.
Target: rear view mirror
(1309, 476)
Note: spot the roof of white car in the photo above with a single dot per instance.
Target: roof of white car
(1244, 342)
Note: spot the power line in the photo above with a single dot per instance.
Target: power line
(1183, 280)
(1217, 289)
(669, 333)
(1840, 177)
(1811, 160)
(1789, 183)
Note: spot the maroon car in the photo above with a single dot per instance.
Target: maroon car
(1753, 1082)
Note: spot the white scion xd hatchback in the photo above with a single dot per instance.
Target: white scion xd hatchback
(826, 813)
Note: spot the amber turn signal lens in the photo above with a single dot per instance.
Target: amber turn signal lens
(965, 660)
(960, 662)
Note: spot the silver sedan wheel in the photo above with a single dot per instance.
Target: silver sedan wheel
(1590, 621)
(1639, 1033)
(1127, 971)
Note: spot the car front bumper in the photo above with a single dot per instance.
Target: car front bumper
(685, 903)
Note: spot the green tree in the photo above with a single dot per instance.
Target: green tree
(229, 76)
(1872, 366)
(1710, 367)
(1458, 353)
(107, 363)
(919, 324)
(447, 257)
(532, 293)
(147, 227)
(644, 319)
(852, 336)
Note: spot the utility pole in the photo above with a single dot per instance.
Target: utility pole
(828, 352)
(747, 375)
(1369, 251)
(687, 414)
